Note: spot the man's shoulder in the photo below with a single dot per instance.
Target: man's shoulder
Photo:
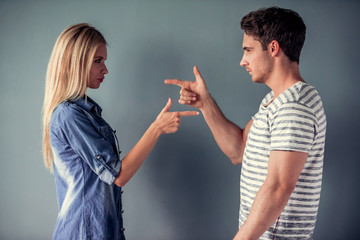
(301, 94)
(307, 93)
(300, 101)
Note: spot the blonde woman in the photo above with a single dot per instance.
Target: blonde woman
(80, 147)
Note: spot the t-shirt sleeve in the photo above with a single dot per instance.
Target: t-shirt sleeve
(90, 143)
(292, 128)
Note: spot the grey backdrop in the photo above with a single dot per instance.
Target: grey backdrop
(187, 189)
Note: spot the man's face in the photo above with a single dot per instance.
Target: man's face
(256, 60)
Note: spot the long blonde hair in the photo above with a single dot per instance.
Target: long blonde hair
(67, 74)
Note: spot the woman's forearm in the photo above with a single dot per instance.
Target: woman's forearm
(136, 157)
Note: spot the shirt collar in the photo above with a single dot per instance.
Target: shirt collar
(88, 104)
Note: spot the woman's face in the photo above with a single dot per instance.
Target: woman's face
(98, 68)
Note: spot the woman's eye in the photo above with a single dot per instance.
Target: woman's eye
(97, 60)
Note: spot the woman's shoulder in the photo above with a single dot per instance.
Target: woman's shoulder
(65, 112)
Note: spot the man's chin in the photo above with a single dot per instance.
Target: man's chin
(257, 80)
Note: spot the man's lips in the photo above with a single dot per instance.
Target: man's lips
(101, 80)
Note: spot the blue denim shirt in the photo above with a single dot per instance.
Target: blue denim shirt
(86, 163)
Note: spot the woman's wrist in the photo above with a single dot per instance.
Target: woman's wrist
(155, 130)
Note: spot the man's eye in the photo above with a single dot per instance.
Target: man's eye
(97, 60)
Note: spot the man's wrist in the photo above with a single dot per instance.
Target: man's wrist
(207, 102)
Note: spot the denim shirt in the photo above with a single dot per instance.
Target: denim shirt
(86, 163)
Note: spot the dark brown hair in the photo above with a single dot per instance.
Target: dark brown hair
(274, 23)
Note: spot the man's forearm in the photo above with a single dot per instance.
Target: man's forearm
(227, 135)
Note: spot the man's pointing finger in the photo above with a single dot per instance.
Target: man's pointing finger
(180, 83)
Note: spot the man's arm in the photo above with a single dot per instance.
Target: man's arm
(230, 138)
(283, 173)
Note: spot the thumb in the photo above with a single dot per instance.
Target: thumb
(167, 107)
(198, 74)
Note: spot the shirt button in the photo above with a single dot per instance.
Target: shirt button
(122, 191)
(122, 211)
(122, 229)
(98, 157)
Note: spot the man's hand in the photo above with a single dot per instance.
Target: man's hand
(192, 93)
(230, 137)
(168, 122)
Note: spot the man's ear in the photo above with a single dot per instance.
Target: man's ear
(274, 48)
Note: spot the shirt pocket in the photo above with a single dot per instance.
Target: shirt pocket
(105, 132)
(260, 120)
(108, 134)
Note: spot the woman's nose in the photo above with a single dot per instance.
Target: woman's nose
(105, 70)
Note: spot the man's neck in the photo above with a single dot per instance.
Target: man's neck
(283, 77)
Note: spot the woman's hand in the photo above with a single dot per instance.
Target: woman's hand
(168, 122)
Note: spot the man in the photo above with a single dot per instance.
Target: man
(281, 148)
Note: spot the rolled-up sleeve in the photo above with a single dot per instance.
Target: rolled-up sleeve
(95, 145)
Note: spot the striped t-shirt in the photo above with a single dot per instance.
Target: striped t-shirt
(294, 121)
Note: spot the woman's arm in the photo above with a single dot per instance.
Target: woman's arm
(166, 122)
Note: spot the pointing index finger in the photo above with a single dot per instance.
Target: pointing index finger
(180, 83)
(188, 113)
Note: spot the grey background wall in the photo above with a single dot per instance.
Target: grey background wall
(187, 189)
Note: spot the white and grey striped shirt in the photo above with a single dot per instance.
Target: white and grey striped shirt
(294, 121)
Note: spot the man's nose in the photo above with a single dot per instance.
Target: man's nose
(243, 62)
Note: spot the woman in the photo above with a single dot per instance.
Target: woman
(80, 148)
